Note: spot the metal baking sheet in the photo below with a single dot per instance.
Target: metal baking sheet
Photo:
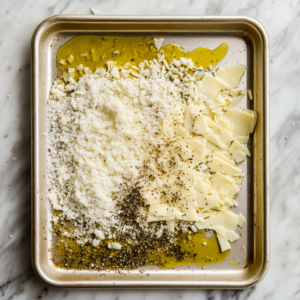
(248, 45)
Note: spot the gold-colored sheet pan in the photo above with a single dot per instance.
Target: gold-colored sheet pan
(248, 45)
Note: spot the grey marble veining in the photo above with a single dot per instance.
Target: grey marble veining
(18, 19)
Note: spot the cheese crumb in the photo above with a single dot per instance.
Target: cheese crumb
(99, 234)
(95, 242)
(158, 43)
(116, 246)
(250, 95)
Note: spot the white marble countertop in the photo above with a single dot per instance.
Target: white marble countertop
(18, 19)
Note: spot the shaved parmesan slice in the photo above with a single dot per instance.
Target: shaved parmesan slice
(222, 183)
(244, 121)
(190, 214)
(200, 185)
(151, 196)
(200, 125)
(197, 147)
(188, 120)
(216, 150)
(179, 130)
(225, 156)
(234, 190)
(218, 136)
(158, 43)
(217, 110)
(226, 200)
(197, 159)
(238, 156)
(230, 235)
(192, 217)
(211, 147)
(223, 242)
(228, 95)
(224, 218)
(210, 88)
(162, 209)
(224, 136)
(178, 112)
(152, 218)
(171, 225)
(237, 99)
(242, 139)
(200, 139)
(241, 220)
(207, 201)
(218, 165)
(219, 229)
(238, 152)
(215, 139)
(222, 97)
(237, 146)
(231, 75)
(211, 122)
(198, 151)
(224, 123)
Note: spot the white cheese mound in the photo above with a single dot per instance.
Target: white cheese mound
(109, 127)
(97, 129)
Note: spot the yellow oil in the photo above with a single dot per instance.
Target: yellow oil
(234, 262)
(201, 57)
(93, 52)
(194, 249)
(199, 253)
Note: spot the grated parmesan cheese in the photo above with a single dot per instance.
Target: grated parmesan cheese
(101, 126)
(110, 125)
